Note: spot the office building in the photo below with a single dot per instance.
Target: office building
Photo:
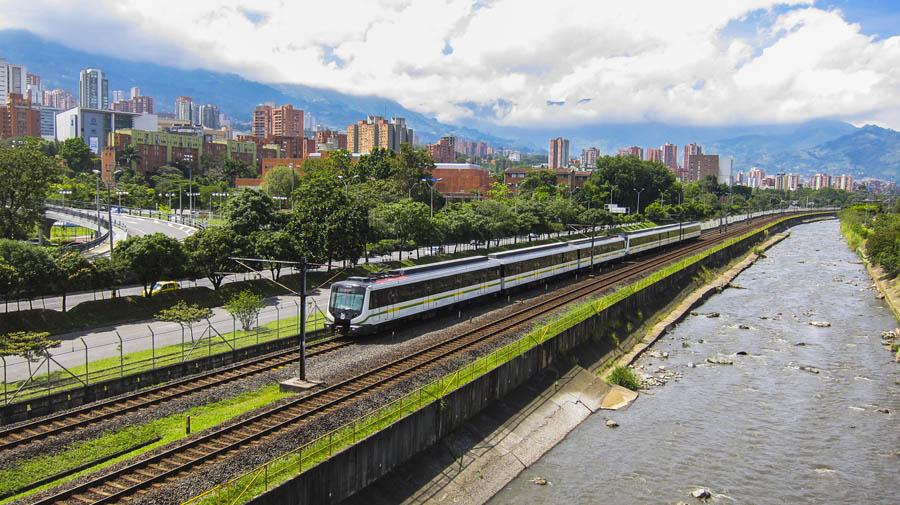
(209, 116)
(558, 153)
(135, 92)
(93, 89)
(95, 125)
(34, 89)
(13, 79)
(48, 122)
(118, 95)
(184, 109)
(375, 131)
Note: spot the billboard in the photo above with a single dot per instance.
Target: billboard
(94, 145)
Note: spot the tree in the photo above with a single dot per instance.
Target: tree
(378, 164)
(129, 156)
(498, 219)
(32, 265)
(233, 169)
(539, 184)
(276, 245)
(458, 223)
(280, 181)
(248, 211)
(8, 278)
(70, 271)
(184, 313)
(328, 224)
(151, 258)
(412, 165)
(29, 345)
(76, 154)
(245, 306)
(656, 212)
(407, 221)
(25, 178)
(210, 251)
(627, 175)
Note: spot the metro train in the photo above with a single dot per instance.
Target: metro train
(363, 304)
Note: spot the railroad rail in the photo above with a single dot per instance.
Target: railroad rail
(54, 424)
(149, 472)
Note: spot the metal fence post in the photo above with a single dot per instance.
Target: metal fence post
(5, 386)
(298, 315)
(121, 355)
(182, 342)
(152, 347)
(233, 333)
(257, 327)
(86, 369)
(277, 321)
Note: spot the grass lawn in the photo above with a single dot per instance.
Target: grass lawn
(135, 362)
(69, 233)
(169, 428)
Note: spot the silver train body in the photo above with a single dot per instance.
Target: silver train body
(363, 304)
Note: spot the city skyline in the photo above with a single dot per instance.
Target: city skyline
(829, 59)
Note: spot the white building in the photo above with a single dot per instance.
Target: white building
(94, 89)
(95, 125)
(12, 80)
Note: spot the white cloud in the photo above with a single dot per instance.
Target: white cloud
(503, 60)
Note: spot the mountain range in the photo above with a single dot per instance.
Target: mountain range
(823, 145)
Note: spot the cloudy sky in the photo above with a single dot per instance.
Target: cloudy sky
(518, 62)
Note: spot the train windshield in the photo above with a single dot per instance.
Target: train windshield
(347, 298)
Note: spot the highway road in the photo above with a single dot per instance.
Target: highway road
(139, 226)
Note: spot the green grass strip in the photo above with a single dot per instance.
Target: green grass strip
(140, 361)
(169, 429)
(280, 469)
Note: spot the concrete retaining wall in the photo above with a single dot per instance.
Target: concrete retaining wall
(361, 464)
(21, 411)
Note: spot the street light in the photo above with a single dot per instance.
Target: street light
(119, 194)
(639, 199)
(280, 199)
(64, 192)
(109, 221)
(431, 187)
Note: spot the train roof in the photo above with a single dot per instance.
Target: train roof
(531, 252)
(597, 240)
(440, 265)
(656, 229)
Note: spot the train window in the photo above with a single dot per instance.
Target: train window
(347, 297)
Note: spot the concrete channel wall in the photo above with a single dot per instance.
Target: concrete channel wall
(363, 463)
(24, 410)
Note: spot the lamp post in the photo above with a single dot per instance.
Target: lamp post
(63, 193)
(638, 210)
(280, 199)
(119, 194)
(221, 195)
(431, 188)
(191, 195)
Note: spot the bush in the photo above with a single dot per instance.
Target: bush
(625, 377)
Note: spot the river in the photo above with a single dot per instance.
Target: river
(762, 430)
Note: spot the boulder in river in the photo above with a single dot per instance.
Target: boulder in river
(540, 481)
(810, 369)
(611, 424)
(741, 353)
(713, 314)
(701, 493)
(718, 359)
(743, 327)
(884, 411)
(820, 324)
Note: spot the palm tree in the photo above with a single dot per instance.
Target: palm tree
(129, 156)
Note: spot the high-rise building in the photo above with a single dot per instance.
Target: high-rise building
(209, 116)
(636, 151)
(18, 118)
(375, 131)
(59, 99)
(670, 157)
(330, 140)
(35, 90)
(820, 181)
(842, 182)
(655, 154)
(142, 104)
(184, 108)
(135, 92)
(123, 106)
(689, 150)
(558, 155)
(589, 158)
(701, 166)
(94, 89)
(444, 150)
(48, 122)
(118, 95)
(13, 79)
(282, 121)
(755, 177)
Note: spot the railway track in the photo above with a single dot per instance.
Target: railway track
(54, 424)
(180, 458)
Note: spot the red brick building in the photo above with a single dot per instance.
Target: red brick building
(18, 119)
(444, 150)
(331, 140)
(461, 180)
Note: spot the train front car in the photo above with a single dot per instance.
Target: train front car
(347, 306)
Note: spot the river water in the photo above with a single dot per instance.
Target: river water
(762, 430)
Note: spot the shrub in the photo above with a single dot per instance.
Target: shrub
(625, 377)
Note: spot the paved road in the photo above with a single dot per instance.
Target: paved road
(138, 226)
